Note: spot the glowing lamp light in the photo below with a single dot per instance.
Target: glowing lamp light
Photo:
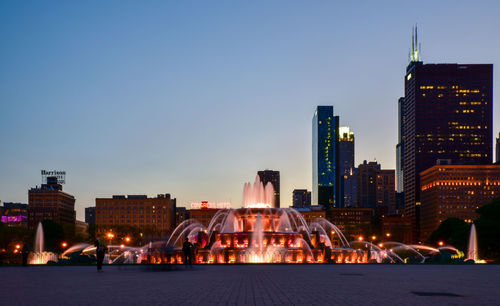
(360, 238)
(380, 245)
(64, 244)
(18, 246)
(374, 237)
(122, 246)
(127, 239)
(110, 235)
(388, 234)
(441, 243)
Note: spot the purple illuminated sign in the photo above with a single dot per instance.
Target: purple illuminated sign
(11, 219)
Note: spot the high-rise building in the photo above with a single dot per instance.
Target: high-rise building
(400, 146)
(498, 149)
(448, 115)
(273, 177)
(301, 198)
(326, 185)
(157, 214)
(50, 202)
(346, 150)
(367, 184)
(346, 164)
(376, 187)
(386, 191)
(455, 191)
(90, 215)
(350, 188)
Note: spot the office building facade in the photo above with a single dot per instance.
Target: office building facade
(448, 115)
(455, 191)
(50, 202)
(325, 136)
(90, 215)
(301, 198)
(273, 177)
(152, 214)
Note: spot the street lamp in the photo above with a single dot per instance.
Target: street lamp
(388, 235)
(64, 245)
(360, 238)
(127, 239)
(441, 243)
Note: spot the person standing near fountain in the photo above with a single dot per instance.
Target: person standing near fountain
(100, 251)
(24, 253)
(187, 248)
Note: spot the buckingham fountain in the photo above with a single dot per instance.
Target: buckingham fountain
(260, 233)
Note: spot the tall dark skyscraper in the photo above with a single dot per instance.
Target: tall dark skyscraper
(498, 149)
(346, 167)
(448, 115)
(273, 177)
(400, 147)
(301, 198)
(326, 185)
(346, 150)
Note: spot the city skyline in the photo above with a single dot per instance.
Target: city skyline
(147, 112)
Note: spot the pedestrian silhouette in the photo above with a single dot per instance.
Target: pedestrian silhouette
(187, 248)
(25, 251)
(100, 250)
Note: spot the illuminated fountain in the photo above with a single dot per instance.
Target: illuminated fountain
(260, 233)
(472, 250)
(39, 256)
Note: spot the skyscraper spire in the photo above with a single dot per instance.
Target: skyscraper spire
(414, 53)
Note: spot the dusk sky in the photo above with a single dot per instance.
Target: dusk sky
(192, 98)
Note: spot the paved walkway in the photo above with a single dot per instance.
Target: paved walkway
(253, 285)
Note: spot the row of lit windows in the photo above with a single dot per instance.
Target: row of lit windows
(471, 103)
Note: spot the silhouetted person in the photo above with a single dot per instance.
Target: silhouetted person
(24, 253)
(100, 251)
(187, 248)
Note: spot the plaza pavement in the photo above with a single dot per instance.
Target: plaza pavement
(253, 285)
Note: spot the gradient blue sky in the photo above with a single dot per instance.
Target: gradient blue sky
(193, 97)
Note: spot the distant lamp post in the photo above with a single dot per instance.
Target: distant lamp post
(388, 235)
(360, 238)
(110, 236)
(18, 246)
(380, 244)
(374, 237)
(64, 245)
(127, 239)
(441, 243)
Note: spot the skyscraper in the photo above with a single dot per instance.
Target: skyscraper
(346, 150)
(326, 186)
(367, 184)
(301, 198)
(273, 177)
(400, 147)
(376, 187)
(448, 115)
(346, 166)
(498, 149)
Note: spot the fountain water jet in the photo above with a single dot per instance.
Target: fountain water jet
(39, 256)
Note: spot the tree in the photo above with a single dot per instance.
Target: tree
(488, 230)
(452, 231)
